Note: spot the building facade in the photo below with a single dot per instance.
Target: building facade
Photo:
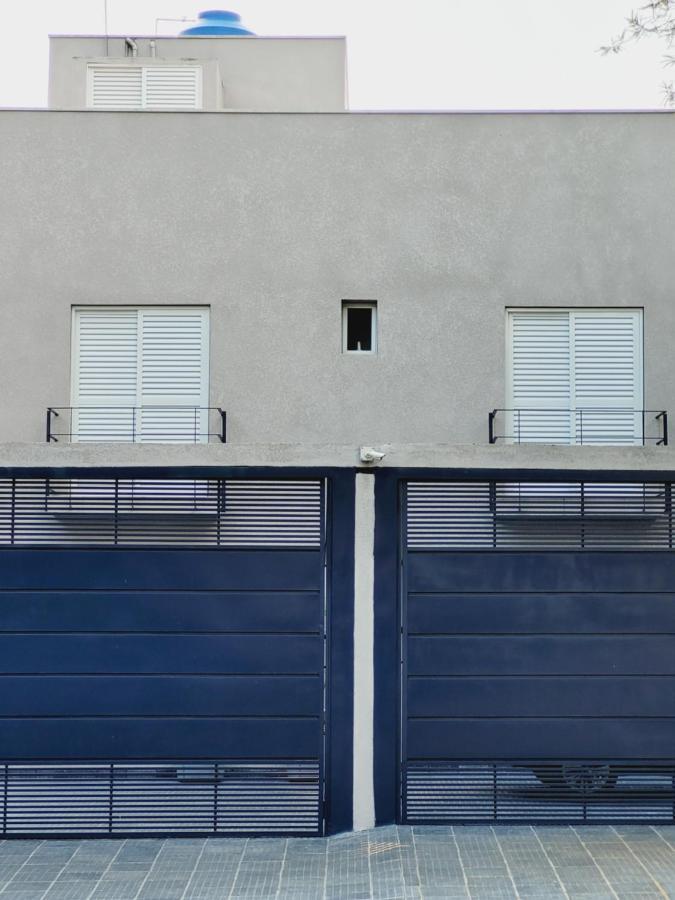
(272, 223)
(336, 481)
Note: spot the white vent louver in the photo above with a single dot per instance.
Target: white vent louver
(116, 87)
(172, 87)
(144, 87)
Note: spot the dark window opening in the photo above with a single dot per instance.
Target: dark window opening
(359, 328)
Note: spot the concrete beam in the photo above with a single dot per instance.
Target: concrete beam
(439, 456)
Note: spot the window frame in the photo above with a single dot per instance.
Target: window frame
(360, 304)
(75, 309)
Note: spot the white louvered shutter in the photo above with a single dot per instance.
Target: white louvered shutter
(141, 375)
(144, 87)
(541, 388)
(589, 361)
(172, 87)
(173, 382)
(607, 365)
(105, 374)
(115, 87)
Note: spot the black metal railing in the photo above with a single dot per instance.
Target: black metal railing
(593, 791)
(558, 514)
(95, 798)
(60, 512)
(134, 424)
(588, 425)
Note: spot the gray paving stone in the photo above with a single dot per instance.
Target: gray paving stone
(391, 863)
(69, 890)
(298, 893)
(348, 892)
(439, 894)
(606, 895)
(27, 891)
(540, 891)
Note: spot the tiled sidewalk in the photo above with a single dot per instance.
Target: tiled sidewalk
(629, 863)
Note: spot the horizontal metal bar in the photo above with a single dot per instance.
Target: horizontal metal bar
(58, 512)
(568, 427)
(580, 409)
(126, 424)
(115, 798)
(151, 406)
(530, 515)
(580, 790)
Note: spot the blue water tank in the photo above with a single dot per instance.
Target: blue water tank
(217, 21)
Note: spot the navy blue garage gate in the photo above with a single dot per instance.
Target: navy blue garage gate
(538, 652)
(163, 656)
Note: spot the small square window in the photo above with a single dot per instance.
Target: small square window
(359, 326)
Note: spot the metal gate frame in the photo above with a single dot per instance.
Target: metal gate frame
(390, 583)
(338, 556)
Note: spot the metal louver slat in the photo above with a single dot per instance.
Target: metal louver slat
(540, 376)
(522, 792)
(538, 515)
(115, 87)
(575, 376)
(173, 375)
(158, 86)
(607, 373)
(172, 87)
(105, 376)
(140, 375)
(225, 797)
(127, 512)
(257, 513)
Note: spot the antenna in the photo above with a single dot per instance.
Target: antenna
(105, 24)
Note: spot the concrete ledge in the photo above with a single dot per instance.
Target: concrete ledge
(440, 456)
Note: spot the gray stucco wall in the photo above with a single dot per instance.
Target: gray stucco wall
(274, 219)
(246, 73)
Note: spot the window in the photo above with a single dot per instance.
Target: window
(575, 376)
(140, 374)
(144, 87)
(359, 327)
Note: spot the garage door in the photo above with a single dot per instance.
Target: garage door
(162, 656)
(538, 652)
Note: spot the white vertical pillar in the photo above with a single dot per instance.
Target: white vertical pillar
(364, 669)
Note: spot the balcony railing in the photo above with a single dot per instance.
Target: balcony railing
(136, 424)
(590, 425)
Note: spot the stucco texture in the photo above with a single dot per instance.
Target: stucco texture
(274, 219)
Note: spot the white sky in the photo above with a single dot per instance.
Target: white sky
(430, 54)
